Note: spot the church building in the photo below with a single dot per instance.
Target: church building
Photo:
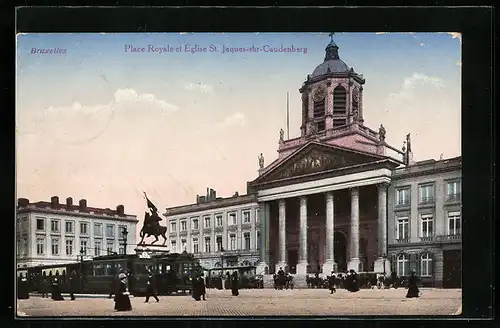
(339, 197)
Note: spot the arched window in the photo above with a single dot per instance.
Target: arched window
(426, 265)
(217, 264)
(403, 265)
(339, 100)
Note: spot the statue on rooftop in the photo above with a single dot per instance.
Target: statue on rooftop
(282, 136)
(408, 143)
(381, 133)
(261, 161)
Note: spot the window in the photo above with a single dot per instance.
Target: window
(454, 224)
(257, 216)
(97, 248)
(110, 230)
(219, 220)
(427, 223)
(402, 228)
(453, 191)
(84, 228)
(121, 250)
(25, 247)
(426, 194)
(183, 225)
(219, 243)
(55, 246)
(339, 100)
(110, 248)
(183, 244)
(173, 245)
(403, 197)
(426, 265)
(40, 246)
(84, 245)
(196, 248)
(403, 265)
(207, 244)
(195, 224)
(246, 237)
(54, 226)
(97, 230)
(338, 122)
(232, 240)
(173, 227)
(40, 224)
(246, 217)
(69, 247)
(69, 227)
(231, 219)
(18, 248)
(207, 222)
(258, 239)
(121, 229)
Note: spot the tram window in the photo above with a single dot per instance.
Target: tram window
(167, 268)
(141, 268)
(99, 270)
(120, 267)
(110, 269)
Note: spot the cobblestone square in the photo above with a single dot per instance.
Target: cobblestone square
(260, 302)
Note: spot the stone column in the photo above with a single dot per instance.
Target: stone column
(261, 268)
(329, 264)
(354, 231)
(282, 235)
(382, 231)
(302, 265)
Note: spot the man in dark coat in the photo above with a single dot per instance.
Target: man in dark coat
(73, 284)
(195, 289)
(201, 286)
(45, 286)
(151, 288)
(22, 288)
(235, 284)
(394, 279)
(281, 278)
(353, 281)
(412, 286)
(122, 299)
(331, 283)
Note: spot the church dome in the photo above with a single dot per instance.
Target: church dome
(332, 63)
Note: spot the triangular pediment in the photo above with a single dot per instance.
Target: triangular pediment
(317, 158)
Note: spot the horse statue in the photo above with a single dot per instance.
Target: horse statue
(152, 227)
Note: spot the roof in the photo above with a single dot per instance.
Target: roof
(334, 66)
(217, 203)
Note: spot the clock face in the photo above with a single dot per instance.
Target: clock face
(320, 94)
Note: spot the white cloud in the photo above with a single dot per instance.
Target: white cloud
(410, 82)
(234, 119)
(204, 88)
(120, 98)
(455, 35)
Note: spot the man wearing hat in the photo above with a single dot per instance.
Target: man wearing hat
(151, 289)
(331, 283)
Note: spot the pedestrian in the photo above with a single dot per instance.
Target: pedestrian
(331, 283)
(45, 286)
(151, 287)
(22, 288)
(56, 290)
(122, 299)
(73, 281)
(234, 284)
(195, 294)
(412, 286)
(202, 287)
(353, 283)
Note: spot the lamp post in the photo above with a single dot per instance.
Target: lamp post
(383, 256)
(124, 235)
(82, 252)
(222, 267)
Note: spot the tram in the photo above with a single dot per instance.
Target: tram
(173, 272)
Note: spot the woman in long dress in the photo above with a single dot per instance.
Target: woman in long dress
(234, 284)
(412, 286)
(122, 299)
(56, 290)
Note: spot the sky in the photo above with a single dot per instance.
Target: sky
(98, 119)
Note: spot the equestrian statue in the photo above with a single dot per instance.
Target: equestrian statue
(151, 226)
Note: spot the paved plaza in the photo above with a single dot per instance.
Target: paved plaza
(260, 302)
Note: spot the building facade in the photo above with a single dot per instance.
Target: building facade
(220, 232)
(57, 233)
(339, 197)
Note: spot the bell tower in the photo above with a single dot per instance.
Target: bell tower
(332, 96)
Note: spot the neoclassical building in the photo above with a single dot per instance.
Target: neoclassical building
(327, 203)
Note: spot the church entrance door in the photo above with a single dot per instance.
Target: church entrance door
(340, 251)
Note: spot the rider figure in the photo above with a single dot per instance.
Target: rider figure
(153, 221)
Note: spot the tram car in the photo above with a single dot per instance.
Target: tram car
(173, 273)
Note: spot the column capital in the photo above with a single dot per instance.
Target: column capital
(281, 202)
(303, 200)
(354, 190)
(383, 185)
(330, 194)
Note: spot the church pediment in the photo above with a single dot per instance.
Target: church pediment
(316, 158)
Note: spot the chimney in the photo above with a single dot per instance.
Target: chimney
(83, 205)
(197, 199)
(236, 194)
(54, 202)
(120, 210)
(23, 202)
(208, 194)
(69, 201)
(212, 194)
